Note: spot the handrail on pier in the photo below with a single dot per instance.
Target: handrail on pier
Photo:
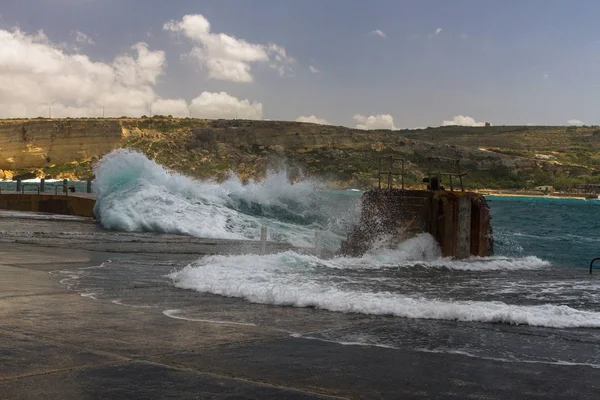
(35, 185)
(63, 187)
(390, 171)
(592, 263)
(458, 174)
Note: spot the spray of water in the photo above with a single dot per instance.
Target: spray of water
(136, 194)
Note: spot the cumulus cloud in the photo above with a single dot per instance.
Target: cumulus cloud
(36, 74)
(210, 106)
(379, 121)
(222, 105)
(226, 57)
(378, 32)
(462, 120)
(38, 78)
(82, 38)
(174, 107)
(312, 119)
(575, 122)
(438, 31)
(314, 69)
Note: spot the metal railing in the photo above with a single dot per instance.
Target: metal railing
(392, 165)
(64, 189)
(458, 174)
(35, 185)
(592, 263)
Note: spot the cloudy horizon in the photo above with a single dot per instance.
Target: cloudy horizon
(375, 65)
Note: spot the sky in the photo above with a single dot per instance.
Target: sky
(366, 64)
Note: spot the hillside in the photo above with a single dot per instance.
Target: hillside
(494, 157)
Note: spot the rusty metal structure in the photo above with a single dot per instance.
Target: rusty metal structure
(457, 219)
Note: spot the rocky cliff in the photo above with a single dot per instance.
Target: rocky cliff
(35, 145)
(342, 156)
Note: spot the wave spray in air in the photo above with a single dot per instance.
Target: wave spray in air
(136, 194)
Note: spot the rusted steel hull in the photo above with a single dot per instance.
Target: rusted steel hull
(459, 221)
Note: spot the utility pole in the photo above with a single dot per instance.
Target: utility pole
(102, 111)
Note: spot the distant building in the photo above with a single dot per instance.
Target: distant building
(545, 189)
(586, 188)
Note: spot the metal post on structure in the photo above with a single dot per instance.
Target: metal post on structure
(390, 168)
(18, 184)
(65, 185)
(592, 263)
(318, 243)
(403, 174)
(263, 239)
(42, 185)
(89, 186)
(460, 175)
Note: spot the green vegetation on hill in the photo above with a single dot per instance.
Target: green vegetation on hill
(517, 157)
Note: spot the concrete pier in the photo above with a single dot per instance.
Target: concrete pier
(75, 204)
(459, 221)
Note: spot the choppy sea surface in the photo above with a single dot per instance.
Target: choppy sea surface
(536, 279)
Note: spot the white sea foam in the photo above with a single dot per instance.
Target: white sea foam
(298, 280)
(136, 194)
(494, 263)
(176, 314)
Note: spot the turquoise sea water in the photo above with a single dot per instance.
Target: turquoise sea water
(80, 186)
(565, 232)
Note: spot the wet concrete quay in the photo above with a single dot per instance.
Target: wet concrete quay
(113, 333)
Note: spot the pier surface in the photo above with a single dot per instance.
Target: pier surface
(57, 343)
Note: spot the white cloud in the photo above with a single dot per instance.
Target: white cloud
(222, 105)
(462, 120)
(378, 32)
(546, 76)
(575, 122)
(379, 121)
(226, 57)
(37, 77)
(314, 69)
(174, 107)
(312, 119)
(34, 73)
(438, 31)
(210, 106)
(82, 38)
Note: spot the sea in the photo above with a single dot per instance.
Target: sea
(537, 281)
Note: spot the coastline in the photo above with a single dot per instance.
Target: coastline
(497, 193)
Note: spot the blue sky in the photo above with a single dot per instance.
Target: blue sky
(506, 62)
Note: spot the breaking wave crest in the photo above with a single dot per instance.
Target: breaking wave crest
(292, 279)
(136, 194)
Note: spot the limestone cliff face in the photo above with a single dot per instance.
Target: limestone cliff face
(340, 155)
(31, 144)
